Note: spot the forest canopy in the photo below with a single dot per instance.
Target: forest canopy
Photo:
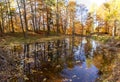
(58, 17)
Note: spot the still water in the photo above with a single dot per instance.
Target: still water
(63, 60)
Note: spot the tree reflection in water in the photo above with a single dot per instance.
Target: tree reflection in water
(64, 60)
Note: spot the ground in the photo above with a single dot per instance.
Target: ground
(112, 44)
(18, 38)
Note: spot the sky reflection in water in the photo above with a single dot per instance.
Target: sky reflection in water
(81, 72)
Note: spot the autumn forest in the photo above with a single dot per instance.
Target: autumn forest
(59, 41)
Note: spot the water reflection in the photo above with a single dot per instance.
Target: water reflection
(83, 70)
(65, 60)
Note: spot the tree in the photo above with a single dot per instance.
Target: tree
(82, 13)
(109, 12)
(49, 5)
(1, 18)
(89, 24)
(72, 9)
(36, 16)
(20, 15)
(25, 15)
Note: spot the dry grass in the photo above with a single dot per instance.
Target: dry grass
(19, 38)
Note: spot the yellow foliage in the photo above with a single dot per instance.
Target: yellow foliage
(69, 30)
(102, 29)
(72, 5)
(12, 9)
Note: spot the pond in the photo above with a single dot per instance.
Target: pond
(72, 59)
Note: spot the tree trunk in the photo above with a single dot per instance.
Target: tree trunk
(21, 21)
(33, 23)
(12, 24)
(115, 27)
(48, 17)
(57, 19)
(39, 22)
(25, 16)
(11, 18)
(2, 27)
(35, 16)
(0, 30)
(72, 20)
(106, 27)
(114, 30)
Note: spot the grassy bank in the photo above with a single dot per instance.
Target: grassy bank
(106, 38)
(18, 38)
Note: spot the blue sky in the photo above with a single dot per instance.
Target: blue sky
(88, 3)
